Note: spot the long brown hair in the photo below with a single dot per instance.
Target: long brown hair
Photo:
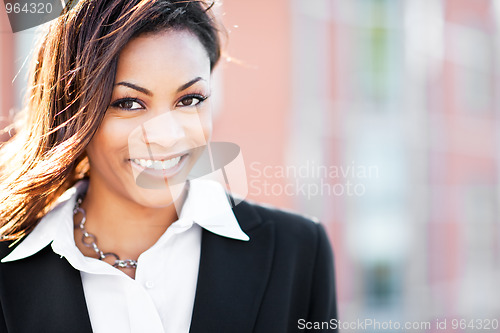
(69, 91)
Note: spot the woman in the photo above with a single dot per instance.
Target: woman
(102, 230)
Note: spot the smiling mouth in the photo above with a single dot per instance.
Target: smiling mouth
(157, 164)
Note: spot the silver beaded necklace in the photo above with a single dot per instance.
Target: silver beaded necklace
(90, 240)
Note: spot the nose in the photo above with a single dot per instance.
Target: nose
(164, 130)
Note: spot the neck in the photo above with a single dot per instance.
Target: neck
(122, 226)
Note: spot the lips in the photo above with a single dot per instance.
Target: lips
(152, 173)
(157, 164)
(153, 170)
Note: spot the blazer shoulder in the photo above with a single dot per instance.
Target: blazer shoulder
(289, 226)
(6, 248)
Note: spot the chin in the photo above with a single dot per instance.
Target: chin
(161, 196)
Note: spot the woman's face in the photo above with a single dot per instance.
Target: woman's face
(158, 122)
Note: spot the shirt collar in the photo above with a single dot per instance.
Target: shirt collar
(206, 205)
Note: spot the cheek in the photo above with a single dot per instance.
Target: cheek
(206, 125)
(110, 138)
(197, 128)
(96, 146)
(207, 130)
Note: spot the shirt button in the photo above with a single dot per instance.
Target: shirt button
(150, 284)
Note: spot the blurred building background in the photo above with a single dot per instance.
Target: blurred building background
(379, 117)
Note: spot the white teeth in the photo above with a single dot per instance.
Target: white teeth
(157, 165)
(171, 163)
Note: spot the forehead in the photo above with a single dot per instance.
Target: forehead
(165, 53)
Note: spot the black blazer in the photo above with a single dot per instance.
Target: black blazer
(283, 274)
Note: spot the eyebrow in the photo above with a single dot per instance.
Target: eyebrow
(149, 93)
(189, 84)
(133, 86)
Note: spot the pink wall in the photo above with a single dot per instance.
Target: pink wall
(256, 92)
(6, 69)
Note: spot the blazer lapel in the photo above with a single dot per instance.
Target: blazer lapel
(43, 293)
(233, 276)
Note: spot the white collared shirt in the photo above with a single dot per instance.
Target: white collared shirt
(161, 297)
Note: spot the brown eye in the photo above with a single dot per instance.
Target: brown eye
(188, 101)
(191, 100)
(127, 104)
